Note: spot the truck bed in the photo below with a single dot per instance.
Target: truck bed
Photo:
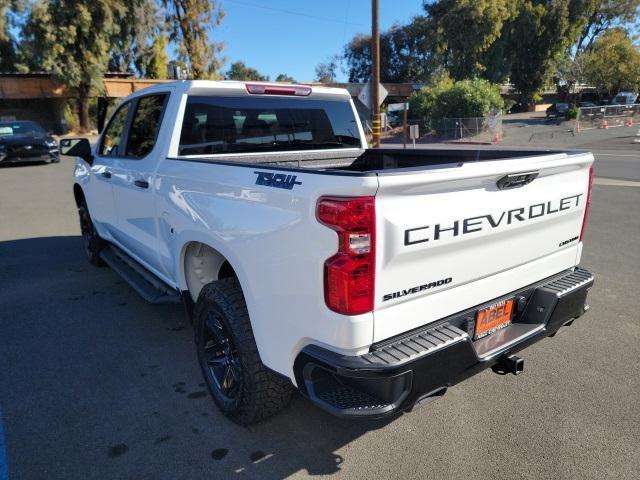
(373, 160)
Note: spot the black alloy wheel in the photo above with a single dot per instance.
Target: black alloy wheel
(219, 357)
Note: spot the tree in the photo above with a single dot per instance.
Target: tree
(159, 61)
(9, 9)
(283, 77)
(569, 72)
(601, 15)
(326, 71)
(73, 39)
(613, 63)
(132, 45)
(190, 23)
(239, 71)
(464, 30)
(405, 52)
(522, 40)
(537, 38)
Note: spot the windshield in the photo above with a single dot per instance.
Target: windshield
(10, 129)
(263, 123)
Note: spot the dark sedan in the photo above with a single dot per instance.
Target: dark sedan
(557, 110)
(26, 141)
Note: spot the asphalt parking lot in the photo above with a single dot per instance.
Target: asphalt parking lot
(96, 384)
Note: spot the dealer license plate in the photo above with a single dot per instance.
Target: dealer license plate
(494, 318)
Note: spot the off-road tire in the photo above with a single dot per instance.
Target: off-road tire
(260, 392)
(91, 241)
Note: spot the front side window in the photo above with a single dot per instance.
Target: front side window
(251, 124)
(145, 125)
(112, 138)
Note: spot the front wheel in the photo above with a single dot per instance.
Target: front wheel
(242, 387)
(91, 241)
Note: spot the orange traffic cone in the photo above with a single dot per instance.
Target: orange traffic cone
(604, 125)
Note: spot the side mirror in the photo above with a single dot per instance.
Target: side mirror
(76, 147)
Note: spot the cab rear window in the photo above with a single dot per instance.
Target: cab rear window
(213, 125)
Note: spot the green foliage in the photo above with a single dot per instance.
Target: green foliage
(9, 9)
(158, 61)
(464, 30)
(239, 71)
(569, 72)
(70, 115)
(422, 104)
(571, 113)
(326, 71)
(523, 41)
(540, 35)
(73, 40)
(461, 99)
(131, 46)
(602, 15)
(190, 23)
(283, 77)
(613, 63)
(405, 54)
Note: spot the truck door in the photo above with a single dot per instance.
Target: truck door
(100, 195)
(132, 180)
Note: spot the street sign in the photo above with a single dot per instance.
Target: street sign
(397, 107)
(366, 98)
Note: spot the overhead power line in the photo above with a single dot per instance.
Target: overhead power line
(291, 12)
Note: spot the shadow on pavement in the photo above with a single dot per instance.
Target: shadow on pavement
(98, 384)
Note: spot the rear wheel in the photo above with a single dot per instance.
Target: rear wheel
(91, 241)
(242, 387)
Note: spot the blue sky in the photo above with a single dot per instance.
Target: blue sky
(293, 36)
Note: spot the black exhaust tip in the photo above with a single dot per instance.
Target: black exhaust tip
(509, 364)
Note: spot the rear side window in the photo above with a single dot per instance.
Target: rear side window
(145, 125)
(248, 124)
(112, 137)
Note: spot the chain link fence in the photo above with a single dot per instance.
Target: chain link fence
(607, 116)
(486, 129)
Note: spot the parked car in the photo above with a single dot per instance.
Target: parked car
(370, 279)
(625, 98)
(26, 141)
(557, 110)
(586, 104)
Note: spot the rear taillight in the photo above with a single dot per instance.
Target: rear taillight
(587, 206)
(349, 275)
(266, 89)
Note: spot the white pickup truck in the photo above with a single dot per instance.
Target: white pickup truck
(370, 279)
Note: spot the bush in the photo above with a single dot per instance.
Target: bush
(571, 113)
(462, 99)
(70, 114)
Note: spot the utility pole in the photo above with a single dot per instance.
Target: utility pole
(375, 72)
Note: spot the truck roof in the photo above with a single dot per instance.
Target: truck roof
(203, 86)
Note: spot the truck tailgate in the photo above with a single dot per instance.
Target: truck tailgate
(450, 238)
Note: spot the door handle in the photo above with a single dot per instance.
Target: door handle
(106, 174)
(141, 183)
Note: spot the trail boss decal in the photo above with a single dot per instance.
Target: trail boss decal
(489, 221)
(418, 289)
(566, 242)
(277, 180)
